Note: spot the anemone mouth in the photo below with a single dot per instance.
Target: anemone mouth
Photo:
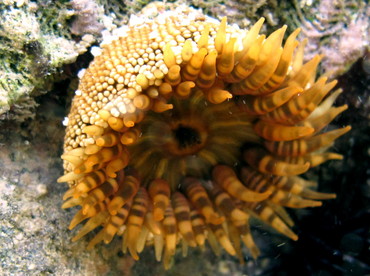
(190, 139)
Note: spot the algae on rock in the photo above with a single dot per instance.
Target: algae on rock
(35, 41)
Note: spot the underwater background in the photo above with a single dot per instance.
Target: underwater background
(43, 45)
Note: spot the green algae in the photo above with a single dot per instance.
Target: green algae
(35, 42)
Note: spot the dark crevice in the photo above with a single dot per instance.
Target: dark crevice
(186, 136)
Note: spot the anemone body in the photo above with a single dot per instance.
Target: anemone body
(183, 128)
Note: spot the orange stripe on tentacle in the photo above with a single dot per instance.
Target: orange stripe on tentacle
(259, 105)
(314, 159)
(155, 227)
(285, 198)
(170, 234)
(277, 132)
(129, 120)
(165, 90)
(214, 244)
(307, 193)
(159, 191)
(89, 182)
(184, 88)
(69, 193)
(128, 188)
(107, 140)
(226, 204)
(285, 61)
(267, 214)
(282, 213)
(250, 244)
(241, 225)
(75, 160)
(104, 155)
(173, 76)
(80, 216)
(272, 183)
(143, 102)
(117, 124)
(160, 105)
(199, 226)
(290, 200)
(207, 74)
(130, 136)
(117, 164)
(326, 138)
(258, 77)
(108, 232)
(255, 180)
(216, 95)
(306, 74)
(84, 168)
(77, 179)
(226, 178)
(222, 238)
(109, 187)
(304, 182)
(304, 146)
(192, 68)
(198, 196)
(72, 202)
(246, 64)
(312, 105)
(115, 222)
(325, 105)
(298, 186)
(234, 237)
(181, 209)
(135, 222)
(297, 104)
(91, 224)
(291, 186)
(262, 161)
(322, 121)
(225, 61)
(271, 51)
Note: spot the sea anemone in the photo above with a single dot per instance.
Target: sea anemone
(183, 128)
